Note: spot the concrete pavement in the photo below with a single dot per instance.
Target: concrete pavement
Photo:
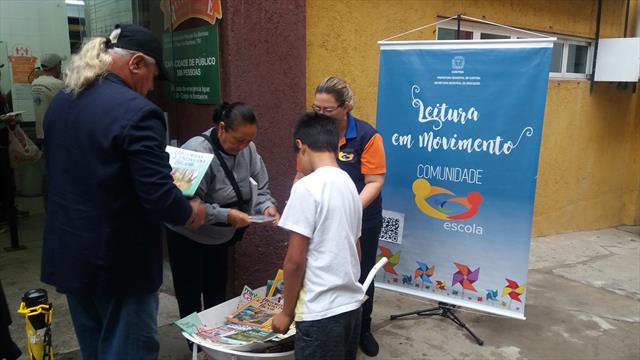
(583, 302)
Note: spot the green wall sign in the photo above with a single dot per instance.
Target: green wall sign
(192, 60)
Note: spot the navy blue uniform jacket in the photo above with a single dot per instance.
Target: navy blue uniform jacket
(110, 187)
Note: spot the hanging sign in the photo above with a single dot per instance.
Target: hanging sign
(192, 58)
(23, 69)
(177, 11)
(23, 64)
(461, 122)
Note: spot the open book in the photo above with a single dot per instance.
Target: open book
(188, 168)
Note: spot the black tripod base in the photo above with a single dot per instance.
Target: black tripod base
(445, 310)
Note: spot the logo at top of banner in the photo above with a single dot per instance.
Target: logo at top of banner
(445, 208)
(457, 62)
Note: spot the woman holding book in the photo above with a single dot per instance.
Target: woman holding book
(198, 258)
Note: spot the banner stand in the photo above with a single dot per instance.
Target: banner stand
(446, 311)
(444, 308)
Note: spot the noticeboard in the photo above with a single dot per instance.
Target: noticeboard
(191, 58)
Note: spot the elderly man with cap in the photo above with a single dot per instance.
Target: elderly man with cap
(45, 87)
(110, 187)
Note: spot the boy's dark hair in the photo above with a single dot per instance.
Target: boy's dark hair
(234, 114)
(318, 131)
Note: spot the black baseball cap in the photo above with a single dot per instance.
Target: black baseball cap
(139, 38)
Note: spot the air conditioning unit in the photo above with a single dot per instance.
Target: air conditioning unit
(618, 60)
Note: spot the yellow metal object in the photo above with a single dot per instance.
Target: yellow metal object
(38, 339)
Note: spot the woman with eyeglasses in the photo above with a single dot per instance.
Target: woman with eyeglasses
(361, 155)
(198, 258)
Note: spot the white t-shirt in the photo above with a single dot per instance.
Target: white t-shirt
(324, 206)
(43, 89)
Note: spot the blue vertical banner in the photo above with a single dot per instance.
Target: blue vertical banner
(462, 123)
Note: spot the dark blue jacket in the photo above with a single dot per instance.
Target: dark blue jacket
(109, 189)
(357, 136)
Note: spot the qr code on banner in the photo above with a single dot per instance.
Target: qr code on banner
(392, 225)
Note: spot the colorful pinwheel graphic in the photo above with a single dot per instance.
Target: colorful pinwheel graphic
(440, 285)
(394, 259)
(513, 290)
(424, 273)
(465, 277)
(492, 295)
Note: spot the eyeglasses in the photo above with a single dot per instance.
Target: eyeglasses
(325, 110)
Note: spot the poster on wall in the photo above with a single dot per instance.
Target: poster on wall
(462, 123)
(23, 65)
(192, 57)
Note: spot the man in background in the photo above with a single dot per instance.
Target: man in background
(44, 88)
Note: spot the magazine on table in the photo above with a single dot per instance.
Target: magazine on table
(190, 323)
(251, 335)
(292, 331)
(217, 335)
(188, 168)
(239, 337)
(246, 296)
(257, 313)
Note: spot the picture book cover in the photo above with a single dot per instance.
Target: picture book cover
(188, 168)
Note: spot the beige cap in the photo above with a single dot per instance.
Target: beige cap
(50, 60)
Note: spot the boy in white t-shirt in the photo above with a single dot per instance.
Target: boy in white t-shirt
(321, 270)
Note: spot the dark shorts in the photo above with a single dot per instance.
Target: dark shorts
(332, 338)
